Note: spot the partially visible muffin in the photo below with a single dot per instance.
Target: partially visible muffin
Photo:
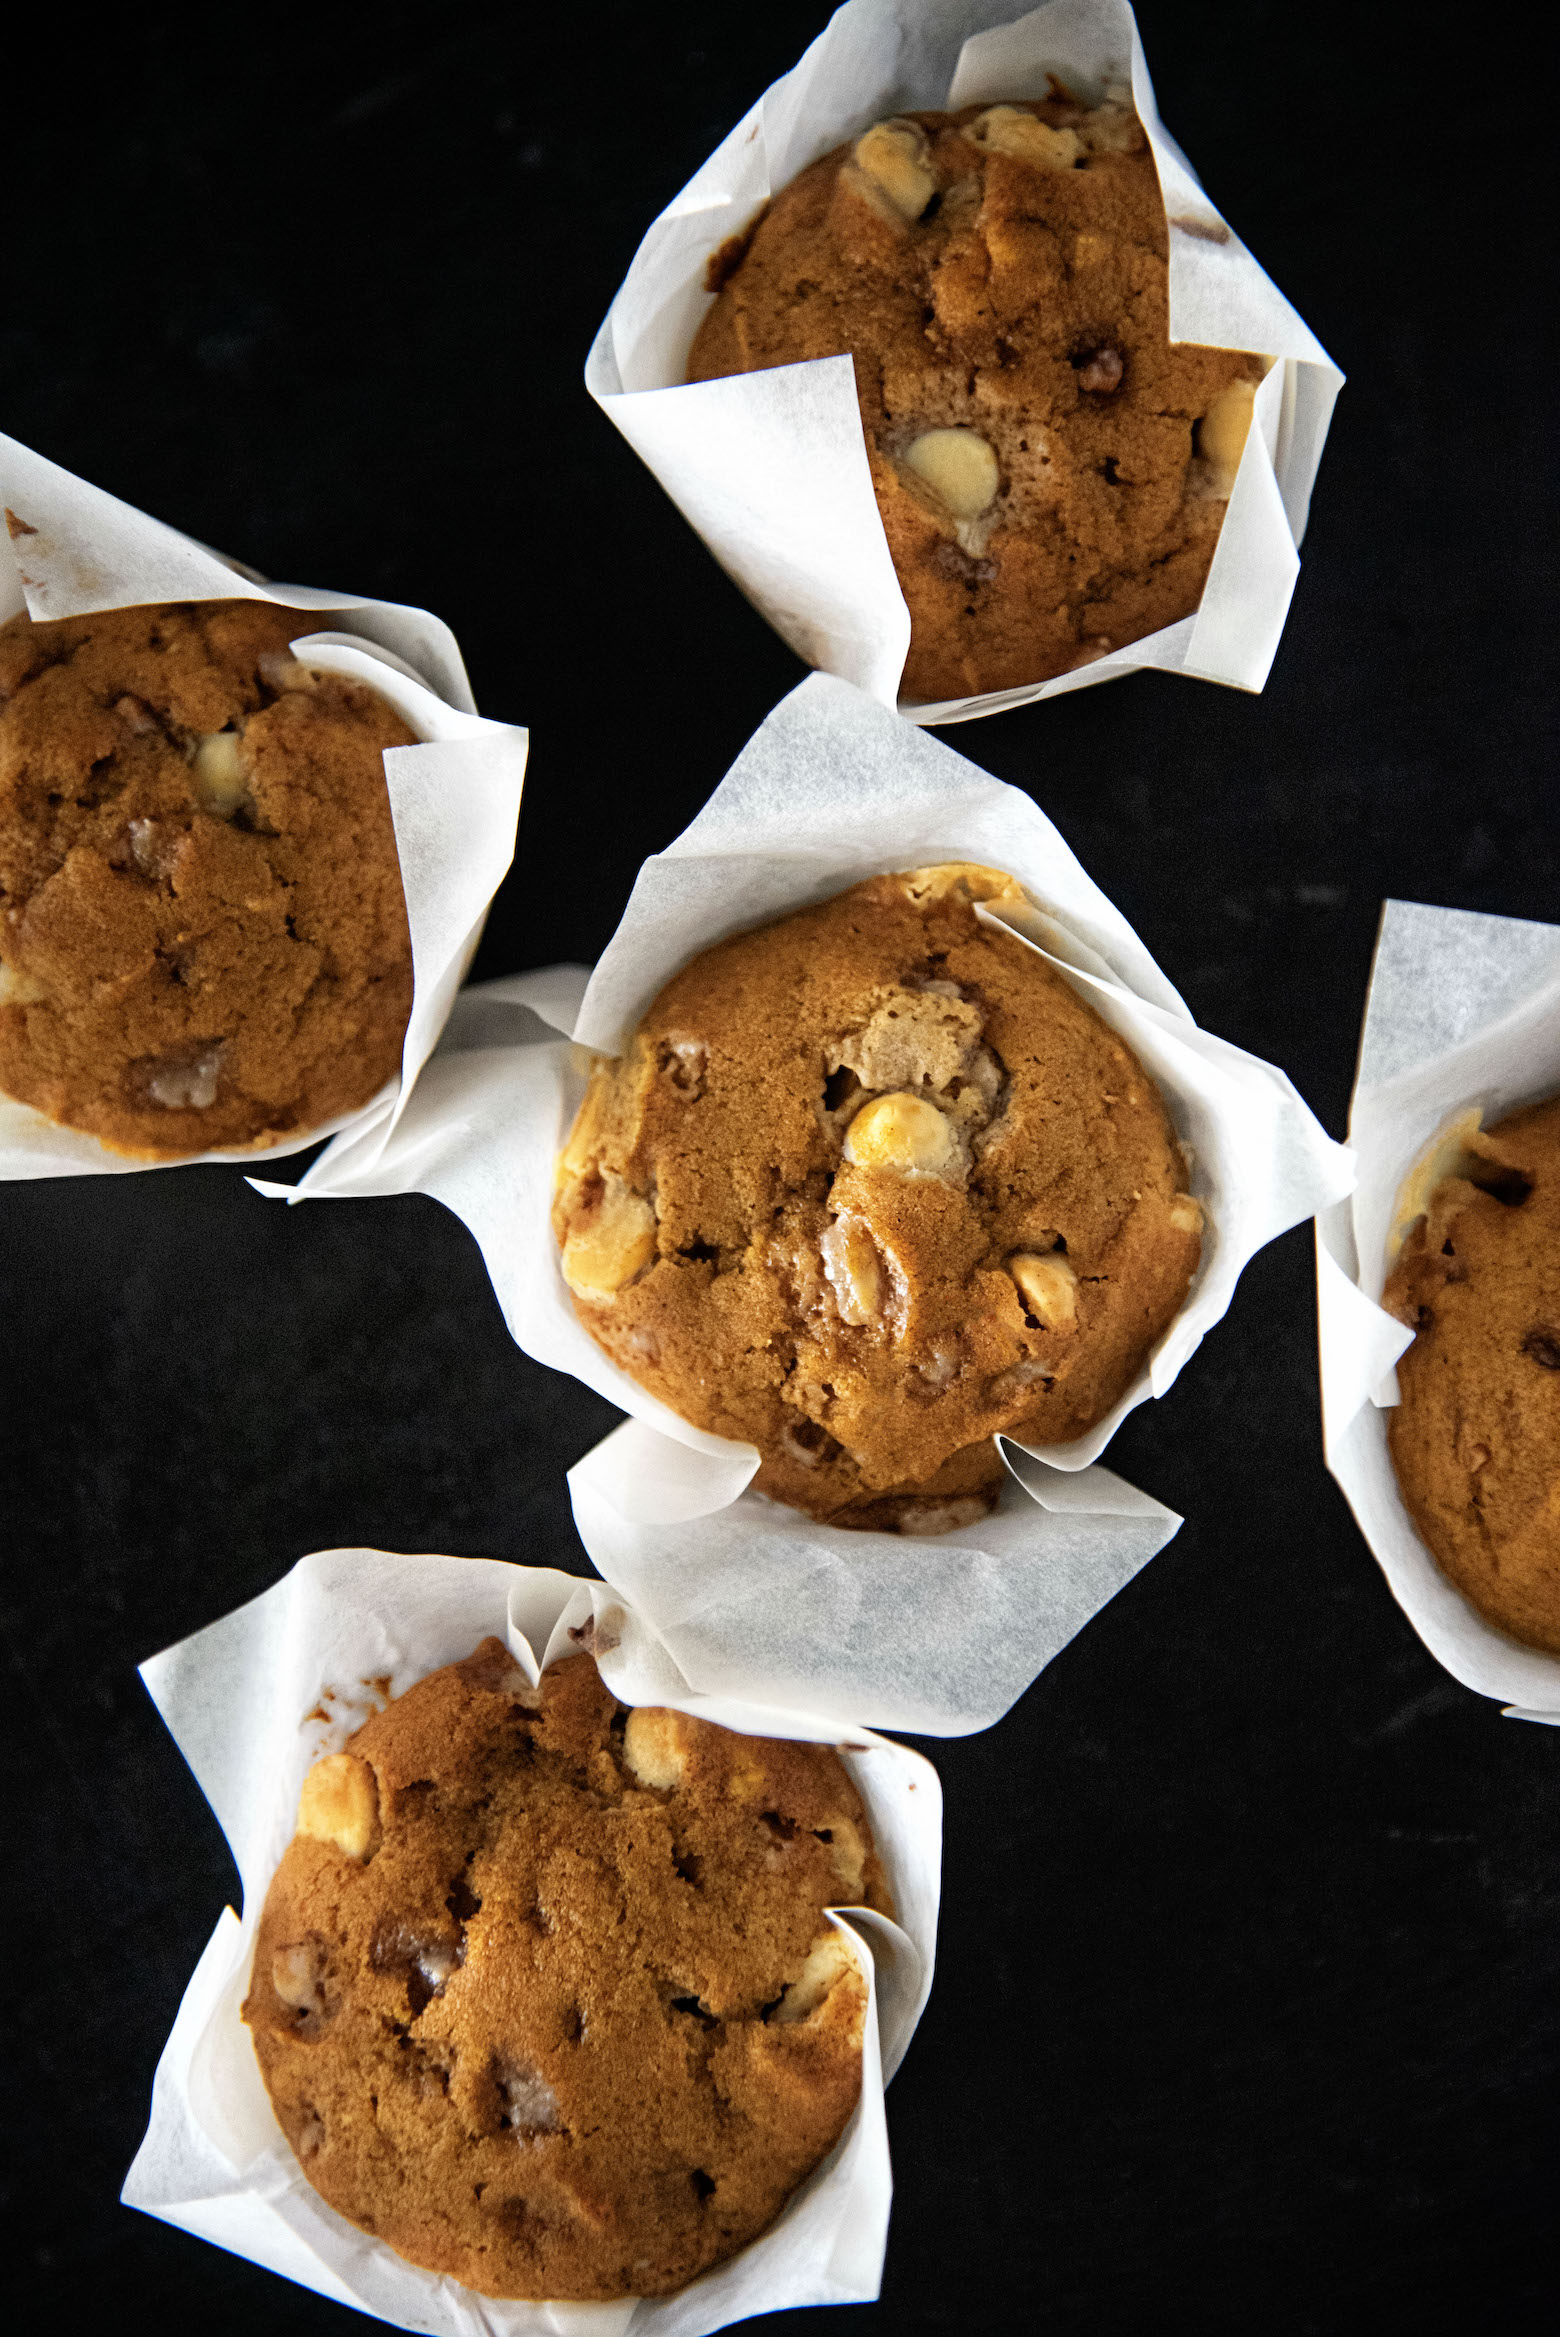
(1475, 1439)
(544, 1995)
(870, 1185)
(203, 937)
(1052, 471)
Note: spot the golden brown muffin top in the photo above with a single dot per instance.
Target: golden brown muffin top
(544, 1995)
(1050, 468)
(203, 938)
(869, 1185)
(1475, 1439)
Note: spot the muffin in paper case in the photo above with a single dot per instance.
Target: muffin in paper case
(771, 468)
(940, 1635)
(1463, 1013)
(340, 1634)
(71, 550)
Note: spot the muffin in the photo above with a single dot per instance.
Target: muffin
(544, 1995)
(869, 1185)
(1475, 1439)
(1051, 470)
(203, 938)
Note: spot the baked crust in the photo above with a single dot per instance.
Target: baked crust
(202, 930)
(544, 1995)
(740, 1235)
(1027, 302)
(1475, 1439)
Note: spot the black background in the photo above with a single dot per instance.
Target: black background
(1247, 2006)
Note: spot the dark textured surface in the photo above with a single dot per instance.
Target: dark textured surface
(1247, 1998)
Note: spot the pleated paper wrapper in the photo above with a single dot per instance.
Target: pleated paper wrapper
(72, 550)
(1463, 1013)
(243, 1701)
(936, 1635)
(771, 468)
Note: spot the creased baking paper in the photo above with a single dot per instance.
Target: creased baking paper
(1463, 1011)
(771, 468)
(72, 550)
(937, 1636)
(343, 1630)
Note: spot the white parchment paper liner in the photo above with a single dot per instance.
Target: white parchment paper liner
(1463, 1009)
(72, 550)
(771, 468)
(235, 1697)
(935, 1636)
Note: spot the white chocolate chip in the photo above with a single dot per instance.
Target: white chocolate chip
(339, 1804)
(577, 1158)
(1186, 1215)
(894, 159)
(402, 1947)
(530, 2105)
(1222, 433)
(942, 1365)
(963, 880)
(1048, 1287)
(1101, 372)
(18, 989)
(296, 1977)
(903, 1133)
(435, 1961)
(848, 1853)
(184, 1083)
(1113, 128)
(829, 1961)
(1008, 129)
(280, 671)
(220, 774)
(150, 849)
(653, 1747)
(609, 1243)
(959, 467)
(855, 1272)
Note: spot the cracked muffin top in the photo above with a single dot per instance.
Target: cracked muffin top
(1475, 1440)
(203, 938)
(870, 1185)
(544, 1995)
(1051, 470)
